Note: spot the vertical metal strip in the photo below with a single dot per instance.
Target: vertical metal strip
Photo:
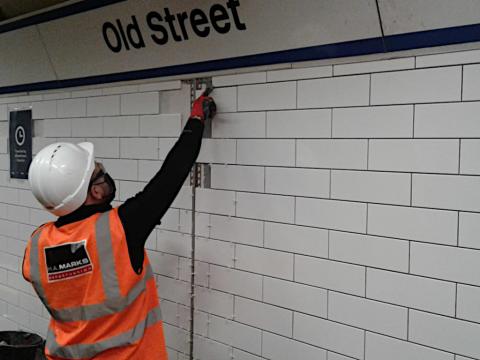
(193, 90)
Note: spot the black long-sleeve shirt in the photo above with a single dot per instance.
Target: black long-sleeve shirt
(141, 213)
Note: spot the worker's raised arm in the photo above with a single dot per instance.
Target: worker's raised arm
(142, 212)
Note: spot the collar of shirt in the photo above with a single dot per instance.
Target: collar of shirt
(81, 213)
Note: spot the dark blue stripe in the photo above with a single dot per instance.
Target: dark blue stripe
(58, 13)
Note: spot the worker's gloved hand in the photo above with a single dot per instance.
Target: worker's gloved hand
(203, 108)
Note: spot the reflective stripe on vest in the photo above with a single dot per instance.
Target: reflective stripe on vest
(82, 351)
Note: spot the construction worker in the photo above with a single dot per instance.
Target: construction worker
(89, 267)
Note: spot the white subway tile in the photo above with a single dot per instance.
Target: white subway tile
(139, 148)
(264, 316)
(452, 58)
(435, 156)
(290, 295)
(297, 74)
(468, 298)
(469, 229)
(121, 126)
(335, 356)
(103, 106)
(221, 151)
(451, 120)
(237, 230)
(236, 282)
(239, 125)
(264, 261)
(273, 96)
(43, 109)
(3, 112)
(265, 207)
(282, 348)
(53, 128)
(128, 189)
(3, 145)
(331, 214)
(163, 125)
(172, 242)
(417, 86)
(242, 355)
(301, 182)
(120, 89)
(444, 333)
(374, 66)
(140, 103)
(242, 178)
(470, 157)
(296, 239)
(342, 154)
(239, 79)
(446, 263)
(215, 201)
(106, 147)
(330, 275)
(299, 123)
(329, 335)
(368, 314)
(368, 186)
(214, 252)
(373, 122)
(334, 92)
(380, 347)
(121, 169)
(213, 302)
(72, 108)
(86, 93)
(173, 290)
(235, 334)
(446, 192)
(435, 226)
(471, 89)
(266, 152)
(369, 250)
(161, 86)
(92, 127)
(164, 264)
(226, 99)
(411, 291)
(207, 349)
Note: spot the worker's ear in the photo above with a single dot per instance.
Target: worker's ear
(96, 192)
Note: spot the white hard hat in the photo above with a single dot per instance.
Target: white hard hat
(60, 174)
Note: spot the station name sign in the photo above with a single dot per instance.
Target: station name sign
(164, 26)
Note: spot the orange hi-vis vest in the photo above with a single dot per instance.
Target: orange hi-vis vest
(100, 308)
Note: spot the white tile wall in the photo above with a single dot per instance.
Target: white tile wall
(444, 333)
(342, 222)
(373, 122)
(334, 92)
(417, 86)
(368, 314)
(299, 123)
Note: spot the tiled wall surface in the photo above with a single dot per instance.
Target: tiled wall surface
(343, 220)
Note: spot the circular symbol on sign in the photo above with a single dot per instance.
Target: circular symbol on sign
(20, 135)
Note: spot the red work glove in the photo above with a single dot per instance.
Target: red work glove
(203, 107)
